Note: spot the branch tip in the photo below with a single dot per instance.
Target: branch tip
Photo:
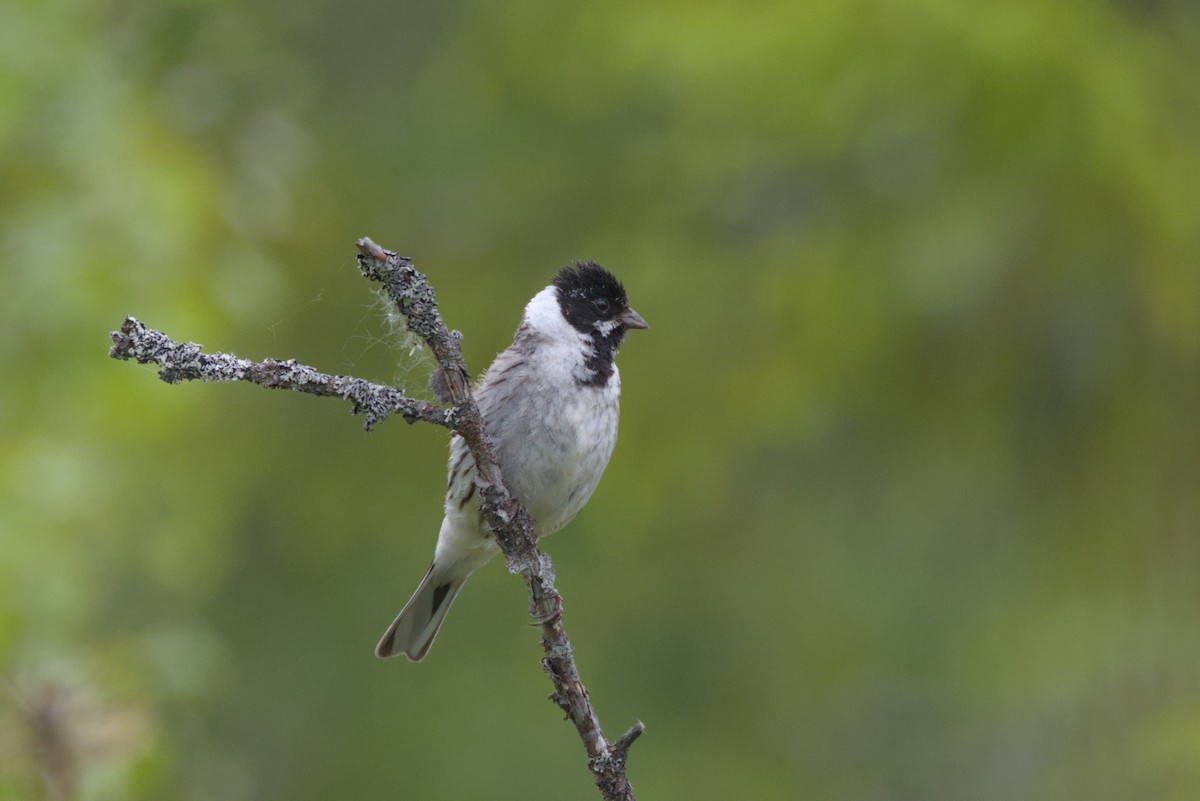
(621, 747)
(368, 248)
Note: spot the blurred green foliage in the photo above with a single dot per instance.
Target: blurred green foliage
(907, 498)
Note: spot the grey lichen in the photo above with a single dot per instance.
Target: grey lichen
(188, 362)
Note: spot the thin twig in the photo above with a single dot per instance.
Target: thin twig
(508, 520)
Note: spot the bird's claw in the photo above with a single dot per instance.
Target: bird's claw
(541, 618)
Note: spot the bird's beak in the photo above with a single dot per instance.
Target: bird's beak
(631, 319)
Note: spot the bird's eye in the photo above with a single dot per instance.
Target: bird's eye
(601, 305)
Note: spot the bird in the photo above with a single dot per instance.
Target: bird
(550, 404)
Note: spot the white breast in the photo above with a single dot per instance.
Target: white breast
(554, 437)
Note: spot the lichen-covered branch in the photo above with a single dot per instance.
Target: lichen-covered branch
(188, 362)
(511, 524)
(414, 297)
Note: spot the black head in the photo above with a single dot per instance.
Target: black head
(593, 300)
(594, 303)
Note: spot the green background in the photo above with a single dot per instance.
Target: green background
(906, 502)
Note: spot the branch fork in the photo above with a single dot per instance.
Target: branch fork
(509, 521)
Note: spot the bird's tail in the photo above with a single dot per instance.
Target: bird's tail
(413, 630)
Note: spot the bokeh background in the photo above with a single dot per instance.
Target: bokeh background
(906, 502)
